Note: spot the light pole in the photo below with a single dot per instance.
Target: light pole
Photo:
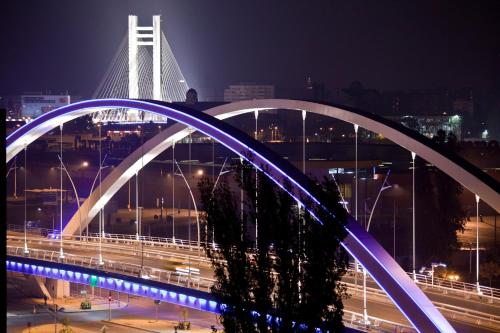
(61, 253)
(173, 191)
(109, 306)
(128, 206)
(383, 188)
(413, 155)
(26, 251)
(356, 127)
(256, 113)
(477, 246)
(14, 167)
(221, 172)
(101, 231)
(76, 194)
(194, 202)
(344, 203)
(101, 167)
(304, 114)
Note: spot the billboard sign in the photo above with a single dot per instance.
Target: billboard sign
(36, 105)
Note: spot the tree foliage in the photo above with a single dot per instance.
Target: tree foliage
(291, 270)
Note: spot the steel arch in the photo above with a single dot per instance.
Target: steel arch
(406, 295)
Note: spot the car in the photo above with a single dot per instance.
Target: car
(33, 224)
(53, 235)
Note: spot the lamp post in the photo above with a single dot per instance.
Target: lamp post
(194, 202)
(256, 114)
(76, 194)
(221, 172)
(383, 188)
(109, 306)
(477, 246)
(101, 231)
(173, 191)
(26, 251)
(101, 167)
(356, 127)
(14, 167)
(413, 155)
(61, 253)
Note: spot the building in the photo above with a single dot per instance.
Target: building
(36, 105)
(239, 92)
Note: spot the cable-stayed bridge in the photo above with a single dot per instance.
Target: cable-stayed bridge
(143, 67)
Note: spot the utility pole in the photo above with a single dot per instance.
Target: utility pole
(109, 306)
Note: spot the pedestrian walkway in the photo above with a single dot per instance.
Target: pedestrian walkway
(72, 304)
(153, 326)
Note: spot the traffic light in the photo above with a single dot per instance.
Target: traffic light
(109, 298)
(157, 301)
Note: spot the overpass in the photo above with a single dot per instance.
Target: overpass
(130, 266)
(411, 301)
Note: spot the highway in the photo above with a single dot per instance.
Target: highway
(466, 313)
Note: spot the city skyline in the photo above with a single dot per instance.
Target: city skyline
(385, 46)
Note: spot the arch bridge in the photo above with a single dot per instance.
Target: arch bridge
(400, 288)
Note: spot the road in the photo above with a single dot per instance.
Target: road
(378, 305)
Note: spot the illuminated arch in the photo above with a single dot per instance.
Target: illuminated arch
(399, 287)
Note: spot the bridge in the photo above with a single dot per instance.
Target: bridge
(414, 305)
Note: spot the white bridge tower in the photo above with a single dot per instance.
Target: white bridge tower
(143, 36)
(138, 73)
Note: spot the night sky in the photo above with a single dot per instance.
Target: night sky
(387, 45)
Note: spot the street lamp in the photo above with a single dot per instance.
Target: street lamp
(413, 155)
(221, 172)
(76, 195)
(383, 188)
(61, 253)
(101, 167)
(194, 202)
(14, 167)
(477, 246)
(26, 251)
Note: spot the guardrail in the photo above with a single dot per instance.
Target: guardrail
(185, 278)
(181, 278)
(117, 249)
(445, 285)
(376, 324)
(471, 316)
(146, 272)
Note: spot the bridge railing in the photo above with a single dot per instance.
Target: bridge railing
(136, 250)
(425, 281)
(448, 286)
(146, 272)
(184, 277)
(355, 320)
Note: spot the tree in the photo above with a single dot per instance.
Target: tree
(489, 270)
(66, 328)
(263, 274)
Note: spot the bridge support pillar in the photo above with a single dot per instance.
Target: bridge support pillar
(57, 288)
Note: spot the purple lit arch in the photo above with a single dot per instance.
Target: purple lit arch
(400, 288)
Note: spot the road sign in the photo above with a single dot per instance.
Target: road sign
(93, 280)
